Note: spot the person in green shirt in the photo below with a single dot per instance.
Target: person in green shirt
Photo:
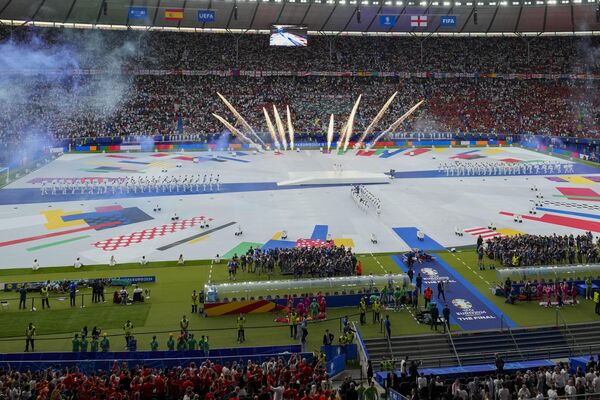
(105, 343)
(384, 295)
(154, 344)
(181, 342)
(171, 343)
(83, 345)
(94, 345)
(205, 346)
(371, 392)
(360, 390)
(192, 343)
(588, 288)
(75, 343)
(314, 309)
(397, 296)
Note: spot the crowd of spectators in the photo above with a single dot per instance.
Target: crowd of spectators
(205, 51)
(77, 108)
(545, 383)
(154, 106)
(292, 378)
(525, 250)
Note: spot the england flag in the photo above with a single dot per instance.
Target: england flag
(418, 21)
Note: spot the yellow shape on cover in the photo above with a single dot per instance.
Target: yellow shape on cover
(578, 180)
(344, 242)
(276, 236)
(55, 221)
(510, 232)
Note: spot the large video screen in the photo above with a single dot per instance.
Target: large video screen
(288, 36)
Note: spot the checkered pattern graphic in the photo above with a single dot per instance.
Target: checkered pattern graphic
(313, 243)
(118, 242)
(484, 232)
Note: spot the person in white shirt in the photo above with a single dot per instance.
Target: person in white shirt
(180, 260)
(277, 392)
(77, 263)
(523, 393)
(596, 383)
(143, 261)
(552, 394)
(503, 393)
(112, 261)
(217, 259)
(570, 391)
(36, 265)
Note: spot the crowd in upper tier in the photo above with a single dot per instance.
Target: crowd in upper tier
(63, 103)
(168, 50)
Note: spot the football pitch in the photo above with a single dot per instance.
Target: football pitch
(170, 299)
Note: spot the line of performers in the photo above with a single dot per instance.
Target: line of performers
(132, 184)
(365, 199)
(491, 168)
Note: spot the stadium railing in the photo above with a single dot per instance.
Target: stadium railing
(363, 354)
(93, 361)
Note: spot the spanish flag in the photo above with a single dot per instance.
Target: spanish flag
(174, 14)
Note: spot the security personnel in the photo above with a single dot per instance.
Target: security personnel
(128, 329)
(192, 344)
(44, 294)
(171, 343)
(597, 301)
(376, 311)
(75, 343)
(362, 306)
(194, 302)
(241, 320)
(94, 344)
(293, 324)
(29, 336)
(154, 344)
(184, 324)
(83, 345)
(22, 296)
(105, 343)
(132, 344)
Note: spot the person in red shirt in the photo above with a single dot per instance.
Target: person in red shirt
(428, 294)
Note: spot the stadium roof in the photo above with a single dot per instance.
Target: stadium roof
(328, 16)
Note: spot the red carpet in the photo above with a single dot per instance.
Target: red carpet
(576, 223)
(416, 152)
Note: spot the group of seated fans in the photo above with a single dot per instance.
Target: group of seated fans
(545, 383)
(291, 378)
(527, 250)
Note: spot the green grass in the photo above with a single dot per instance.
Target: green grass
(522, 313)
(170, 300)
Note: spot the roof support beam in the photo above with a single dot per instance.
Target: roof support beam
(493, 18)
(375, 16)
(519, 17)
(329, 17)
(467, 20)
(70, 11)
(37, 10)
(545, 17)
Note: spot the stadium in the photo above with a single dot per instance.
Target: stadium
(300, 199)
